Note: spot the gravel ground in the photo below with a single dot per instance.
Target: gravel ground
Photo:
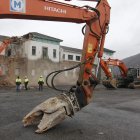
(113, 115)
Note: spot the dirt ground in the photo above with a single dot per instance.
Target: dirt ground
(113, 115)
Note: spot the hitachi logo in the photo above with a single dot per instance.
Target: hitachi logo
(53, 9)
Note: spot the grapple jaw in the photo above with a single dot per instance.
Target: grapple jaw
(51, 112)
(110, 83)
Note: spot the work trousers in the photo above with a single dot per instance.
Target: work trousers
(17, 87)
(26, 85)
(40, 87)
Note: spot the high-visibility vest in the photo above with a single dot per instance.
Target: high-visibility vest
(26, 80)
(18, 80)
(40, 80)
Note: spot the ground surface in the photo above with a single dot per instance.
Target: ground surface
(113, 115)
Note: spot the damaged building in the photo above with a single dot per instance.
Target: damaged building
(36, 54)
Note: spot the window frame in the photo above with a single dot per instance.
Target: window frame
(78, 57)
(34, 48)
(47, 54)
(54, 53)
(69, 55)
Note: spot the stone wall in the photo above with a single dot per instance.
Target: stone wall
(42, 67)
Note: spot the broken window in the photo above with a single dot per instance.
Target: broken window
(70, 57)
(33, 50)
(54, 53)
(9, 52)
(45, 53)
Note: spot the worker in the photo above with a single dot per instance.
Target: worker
(26, 81)
(40, 83)
(18, 83)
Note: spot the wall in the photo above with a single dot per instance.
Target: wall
(39, 67)
(3, 65)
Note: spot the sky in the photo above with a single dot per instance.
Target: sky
(123, 36)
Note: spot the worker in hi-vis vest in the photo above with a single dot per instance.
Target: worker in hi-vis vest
(18, 83)
(26, 81)
(40, 83)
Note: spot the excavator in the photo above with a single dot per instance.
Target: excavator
(54, 110)
(129, 77)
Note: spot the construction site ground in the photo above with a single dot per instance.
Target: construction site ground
(113, 115)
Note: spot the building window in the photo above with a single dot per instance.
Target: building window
(70, 57)
(63, 56)
(54, 53)
(45, 53)
(33, 50)
(9, 52)
(78, 58)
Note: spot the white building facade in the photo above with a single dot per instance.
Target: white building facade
(37, 46)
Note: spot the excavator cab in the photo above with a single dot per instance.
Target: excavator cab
(132, 72)
(132, 80)
(134, 77)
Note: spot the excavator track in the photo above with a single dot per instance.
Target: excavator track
(135, 84)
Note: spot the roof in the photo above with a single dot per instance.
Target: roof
(108, 50)
(2, 37)
(69, 49)
(41, 36)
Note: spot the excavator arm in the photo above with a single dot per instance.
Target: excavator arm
(54, 110)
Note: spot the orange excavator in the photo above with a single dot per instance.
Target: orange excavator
(96, 19)
(129, 77)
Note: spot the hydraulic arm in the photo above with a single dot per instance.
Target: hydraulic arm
(54, 110)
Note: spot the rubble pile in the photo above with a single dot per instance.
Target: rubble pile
(5, 83)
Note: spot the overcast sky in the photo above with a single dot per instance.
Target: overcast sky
(123, 36)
